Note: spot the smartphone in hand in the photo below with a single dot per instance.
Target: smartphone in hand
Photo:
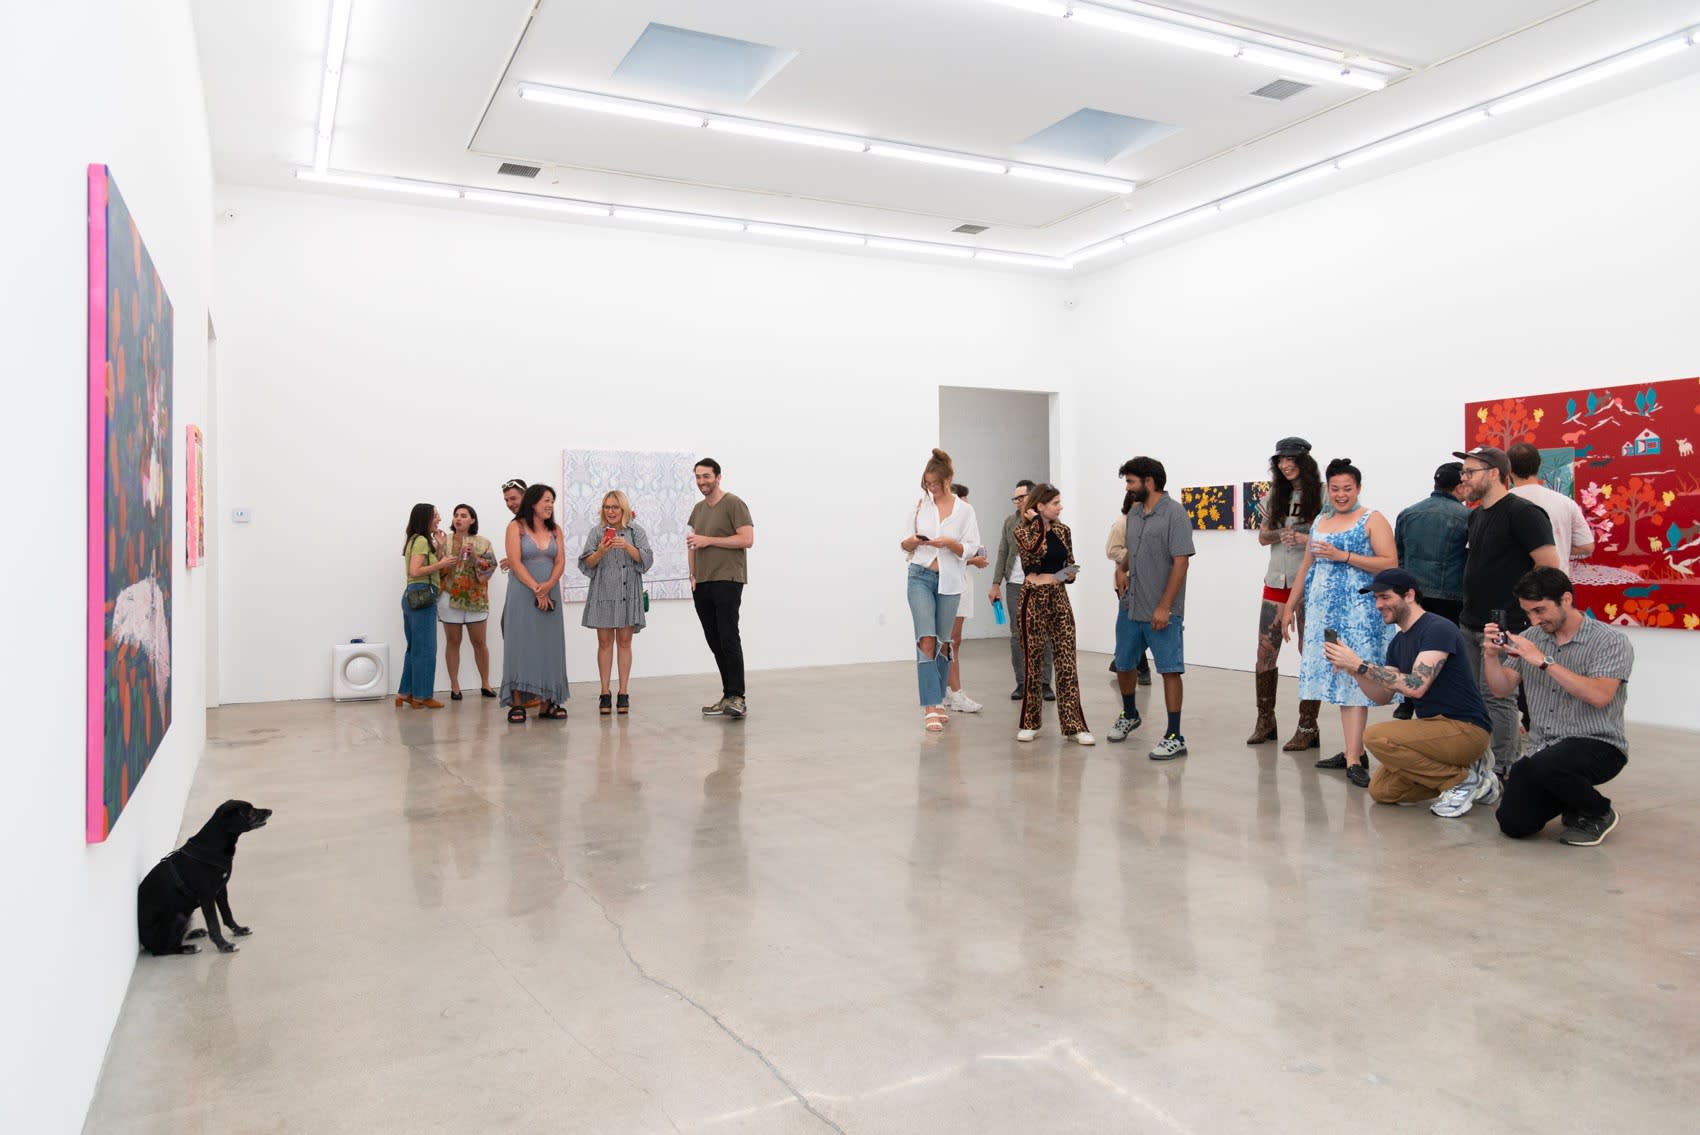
(1329, 634)
(1497, 618)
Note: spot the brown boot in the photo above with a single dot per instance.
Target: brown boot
(1264, 730)
(1306, 735)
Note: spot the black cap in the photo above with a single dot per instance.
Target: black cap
(1392, 579)
(1292, 447)
(1446, 477)
(1490, 456)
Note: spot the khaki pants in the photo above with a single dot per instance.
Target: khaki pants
(1421, 758)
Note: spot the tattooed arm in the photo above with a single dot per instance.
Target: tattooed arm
(1379, 683)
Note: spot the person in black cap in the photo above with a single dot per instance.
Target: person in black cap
(1509, 536)
(1283, 526)
(1444, 751)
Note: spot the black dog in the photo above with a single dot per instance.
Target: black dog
(195, 875)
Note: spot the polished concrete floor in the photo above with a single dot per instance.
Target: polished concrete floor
(820, 919)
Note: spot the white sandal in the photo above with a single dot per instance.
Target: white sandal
(936, 720)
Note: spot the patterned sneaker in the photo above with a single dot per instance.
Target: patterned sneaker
(1123, 726)
(1460, 798)
(1170, 747)
(715, 709)
(1589, 830)
(735, 707)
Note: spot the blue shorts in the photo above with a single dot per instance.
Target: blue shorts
(1133, 636)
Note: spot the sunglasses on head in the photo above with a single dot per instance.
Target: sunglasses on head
(514, 484)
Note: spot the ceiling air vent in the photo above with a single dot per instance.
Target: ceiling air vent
(971, 230)
(1281, 89)
(514, 169)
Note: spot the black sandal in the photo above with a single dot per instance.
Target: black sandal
(516, 715)
(605, 704)
(554, 713)
(623, 704)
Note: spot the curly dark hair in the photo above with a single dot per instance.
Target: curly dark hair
(1280, 497)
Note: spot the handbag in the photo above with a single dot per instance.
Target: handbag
(419, 598)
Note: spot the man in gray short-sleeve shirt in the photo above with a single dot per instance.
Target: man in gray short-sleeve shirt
(1159, 548)
(1575, 671)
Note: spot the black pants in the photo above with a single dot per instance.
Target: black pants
(717, 603)
(1558, 780)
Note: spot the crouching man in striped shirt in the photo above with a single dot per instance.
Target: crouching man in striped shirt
(1575, 672)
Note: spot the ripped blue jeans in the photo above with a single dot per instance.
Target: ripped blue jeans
(934, 616)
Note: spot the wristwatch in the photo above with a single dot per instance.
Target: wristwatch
(1547, 660)
(1363, 668)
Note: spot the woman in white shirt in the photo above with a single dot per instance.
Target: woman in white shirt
(954, 698)
(942, 534)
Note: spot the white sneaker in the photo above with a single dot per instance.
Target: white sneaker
(962, 703)
(1026, 734)
(1490, 791)
(1459, 799)
(1084, 738)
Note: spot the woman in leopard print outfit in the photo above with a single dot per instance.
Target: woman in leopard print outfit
(1047, 558)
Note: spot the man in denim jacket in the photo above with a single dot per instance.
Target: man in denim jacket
(1430, 537)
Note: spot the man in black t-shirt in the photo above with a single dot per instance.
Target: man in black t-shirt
(1443, 750)
(1508, 537)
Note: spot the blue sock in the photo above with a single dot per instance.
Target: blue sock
(1129, 710)
(1175, 722)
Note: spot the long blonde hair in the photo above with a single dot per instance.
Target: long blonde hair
(618, 498)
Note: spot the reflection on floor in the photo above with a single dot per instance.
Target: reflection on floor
(822, 919)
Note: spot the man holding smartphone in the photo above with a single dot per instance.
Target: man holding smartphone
(1576, 673)
(1508, 537)
(1442, 750)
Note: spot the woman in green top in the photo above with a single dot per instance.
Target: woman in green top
(423, 556)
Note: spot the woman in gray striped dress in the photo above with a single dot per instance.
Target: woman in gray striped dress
(615, 556)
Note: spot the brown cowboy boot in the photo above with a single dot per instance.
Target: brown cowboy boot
(1306, 735)
(1264, 730)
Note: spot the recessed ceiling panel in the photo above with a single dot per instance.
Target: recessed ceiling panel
(693, 62)
(1094, 137)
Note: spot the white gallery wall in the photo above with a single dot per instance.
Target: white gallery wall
(71, 941)
(374, 353)
(1558, 258)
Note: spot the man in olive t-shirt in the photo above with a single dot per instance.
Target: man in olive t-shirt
(721, 533)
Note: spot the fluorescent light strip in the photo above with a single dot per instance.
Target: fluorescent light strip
(818, 236)
(607, 104)
(921, 247)
(1278, 186)
(1564, 84)
(1021, 260)
(848, 143)
(787, 134)
(336, 46)
(685, 220)
(390, 184)
(1662, 48)
(529, 201)
(1215, 37)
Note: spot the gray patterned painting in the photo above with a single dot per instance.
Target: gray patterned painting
(662, 490)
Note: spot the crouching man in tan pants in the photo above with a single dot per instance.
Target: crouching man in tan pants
(1445, 749)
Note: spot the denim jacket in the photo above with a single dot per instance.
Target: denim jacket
(1431, 536)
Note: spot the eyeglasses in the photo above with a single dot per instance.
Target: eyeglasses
(1466, 473)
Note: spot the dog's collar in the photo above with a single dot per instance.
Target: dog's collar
(221, 861)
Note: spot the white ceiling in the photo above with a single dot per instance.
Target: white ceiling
(429, 91)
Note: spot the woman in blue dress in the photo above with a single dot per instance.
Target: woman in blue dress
(1347, 548)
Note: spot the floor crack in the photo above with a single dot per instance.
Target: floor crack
(642, 971)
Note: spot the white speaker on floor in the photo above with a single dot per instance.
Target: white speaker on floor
(360, 670)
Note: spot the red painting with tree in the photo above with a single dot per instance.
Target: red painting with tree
(1634, 472)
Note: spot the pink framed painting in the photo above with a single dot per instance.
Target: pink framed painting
(129, 507)
(195, 497)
